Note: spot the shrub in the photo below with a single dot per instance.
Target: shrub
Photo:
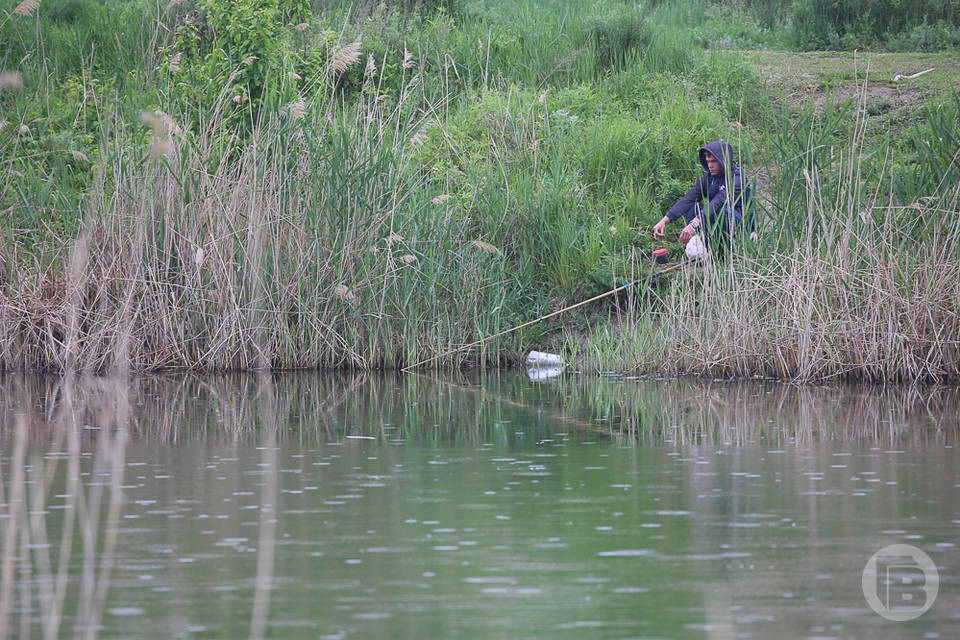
(617, 34)
(820, 24)
(927, 37)
(234, 46)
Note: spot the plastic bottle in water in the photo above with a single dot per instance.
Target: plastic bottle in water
(541, 359)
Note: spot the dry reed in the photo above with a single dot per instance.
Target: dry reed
(869, 291)
(312, 243)
(284, 249)
(26, 8)
(812, 314)
(346, 56)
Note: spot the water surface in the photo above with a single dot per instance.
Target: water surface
(306, 506)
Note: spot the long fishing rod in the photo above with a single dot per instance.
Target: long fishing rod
(623, 287)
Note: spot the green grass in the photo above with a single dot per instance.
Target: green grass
(467, 168)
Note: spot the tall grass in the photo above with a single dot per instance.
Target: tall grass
(820, 24)
(308, 243)
(411, 181)
(78, 64)
(855, 284)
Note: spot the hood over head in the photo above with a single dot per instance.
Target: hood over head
(720, 150)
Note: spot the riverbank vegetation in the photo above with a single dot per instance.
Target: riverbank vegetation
(248, 183)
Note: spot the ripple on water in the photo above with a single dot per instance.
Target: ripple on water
(630, 590)
(373, 615)
(626, 553)
(512, 591)
(490, 580)
(717, 556)
(581, 624)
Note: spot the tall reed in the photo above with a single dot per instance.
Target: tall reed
(436, 177)
(308, 243)
(849, 283)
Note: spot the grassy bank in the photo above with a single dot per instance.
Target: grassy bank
(366, 187)
(854, 277)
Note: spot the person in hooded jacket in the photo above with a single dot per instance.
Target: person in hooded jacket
(725, 214)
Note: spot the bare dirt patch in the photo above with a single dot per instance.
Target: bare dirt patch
(888, 81)
(875, 98)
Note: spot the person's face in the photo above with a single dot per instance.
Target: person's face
(713, 165)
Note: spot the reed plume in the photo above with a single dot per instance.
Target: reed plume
(26, 8)
(345, 56)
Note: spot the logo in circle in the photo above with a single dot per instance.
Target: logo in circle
(900, 582)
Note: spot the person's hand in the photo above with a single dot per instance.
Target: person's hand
(658, 229)
(688, 232)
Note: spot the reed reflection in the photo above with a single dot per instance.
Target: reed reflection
(698, 458)
(40, 563)
(459, 410)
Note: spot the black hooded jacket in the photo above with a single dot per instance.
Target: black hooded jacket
(716, 188)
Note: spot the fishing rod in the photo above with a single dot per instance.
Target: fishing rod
(622, 287)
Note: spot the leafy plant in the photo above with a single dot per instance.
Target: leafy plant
(235, 50)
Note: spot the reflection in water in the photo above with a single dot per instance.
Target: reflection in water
(229, 409)
(355, 504)
(539, 374)
(268, 509)
(38, 541)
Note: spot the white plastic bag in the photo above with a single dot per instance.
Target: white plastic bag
(696, 249)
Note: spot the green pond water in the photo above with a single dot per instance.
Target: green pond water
(331, 506)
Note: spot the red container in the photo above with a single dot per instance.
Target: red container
(660, 256)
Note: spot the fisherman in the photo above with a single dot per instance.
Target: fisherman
(724, 216)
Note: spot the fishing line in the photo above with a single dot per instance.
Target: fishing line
(623, 287)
